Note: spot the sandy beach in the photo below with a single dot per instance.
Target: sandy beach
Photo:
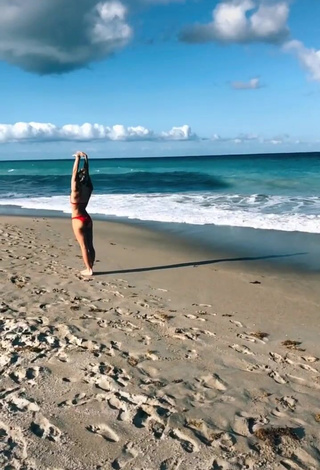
(169, 358)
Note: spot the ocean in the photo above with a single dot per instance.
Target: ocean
(274, 192)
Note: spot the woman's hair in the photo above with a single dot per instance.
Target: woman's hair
(82, 176)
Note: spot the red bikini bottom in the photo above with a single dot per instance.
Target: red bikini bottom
(86, 219)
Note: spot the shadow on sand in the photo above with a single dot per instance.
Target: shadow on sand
(195, 264)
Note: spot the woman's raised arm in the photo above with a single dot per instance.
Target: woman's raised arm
(86, 164)
(75, 171)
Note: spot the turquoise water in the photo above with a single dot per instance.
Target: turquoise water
(274, 192)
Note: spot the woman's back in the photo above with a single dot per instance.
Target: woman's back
(81, 191)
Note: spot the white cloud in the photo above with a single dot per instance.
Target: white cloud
(309, 58)
(179, 133)
(252, 84)
(242, 21)
(56, 36)
(46, 132)
(137, 138)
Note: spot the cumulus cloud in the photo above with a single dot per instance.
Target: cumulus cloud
(56, 36)
(179, 133)
(39, 132)
(242, 21)
(252, 84)
(46, 132)
(309, 58)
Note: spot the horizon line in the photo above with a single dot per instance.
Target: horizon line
(264, 154)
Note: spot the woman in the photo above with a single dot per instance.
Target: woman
(81, 189)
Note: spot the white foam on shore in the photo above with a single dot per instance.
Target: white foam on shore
(256, 211)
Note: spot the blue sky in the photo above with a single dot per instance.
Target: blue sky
(158, 77)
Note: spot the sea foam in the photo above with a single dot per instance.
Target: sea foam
(257, 211)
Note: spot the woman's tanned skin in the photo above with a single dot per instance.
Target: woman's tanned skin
(81, 190)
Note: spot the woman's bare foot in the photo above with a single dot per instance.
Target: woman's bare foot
(86, 272)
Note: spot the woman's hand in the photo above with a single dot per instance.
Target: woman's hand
(80, 154)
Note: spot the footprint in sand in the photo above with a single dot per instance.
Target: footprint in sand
(13, 448)
(121, 311)
(100, 375)
(224, 440)
(28, 375)
(122, 325)
(258, 368)
(129, 453)
(202, 305)
(245, 425)
(213, 381)
(39, 291)
(308, 368)
(195, 317)
(288, 403)
(246, 337)
(62, 356)
(310, 358)
(104, 431)
(277, 357)
(185, 333)
(204, 332)
(242, 349)
(148, 416)
(171, 464)
(153, 384)
(277, 377)
(250, 337)
(117, 404)
(78, 400)
(102, 323)
(203, 433)
(42, 428)
(116, 345)
(142, 304)
(18, 401)
(187, 443)
(92, 346)
(236, 323)
(20, 281)
(191, 354)
(157, 318)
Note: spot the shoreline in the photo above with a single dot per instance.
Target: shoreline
(276, 251)
(158, 361)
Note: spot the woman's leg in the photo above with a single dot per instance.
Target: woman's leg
(92, 253)
(80, 232)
